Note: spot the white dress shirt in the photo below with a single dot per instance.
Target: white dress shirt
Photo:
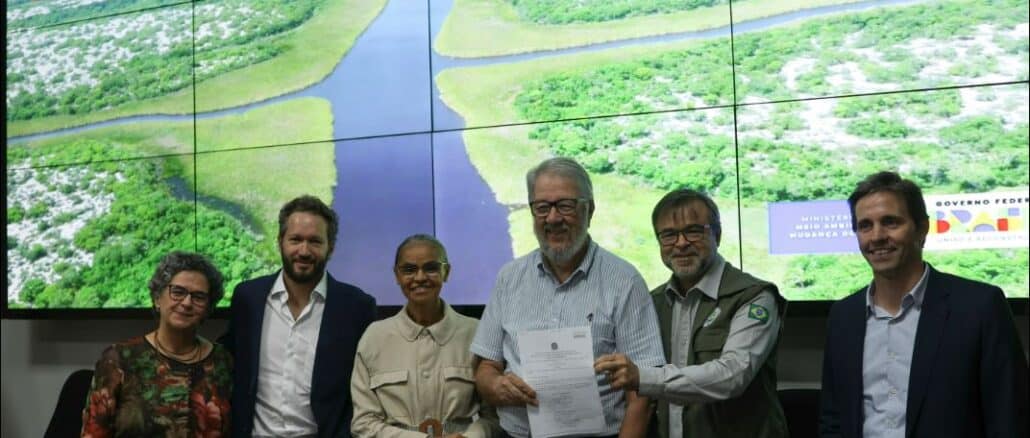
(287, 359)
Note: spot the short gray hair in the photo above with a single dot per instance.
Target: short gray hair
(563, 167)
(179, 261)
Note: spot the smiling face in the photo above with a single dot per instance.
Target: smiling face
(421, 273)
(305, 247)
(561, 237)
(689, 261)
(184, 314)
(890, 240)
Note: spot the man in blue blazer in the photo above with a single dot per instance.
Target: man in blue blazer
(294, 334)
(918, 353)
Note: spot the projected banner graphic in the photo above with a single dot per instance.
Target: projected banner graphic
(978, 220)
(810, 227)
(966, 221)
(141, 126)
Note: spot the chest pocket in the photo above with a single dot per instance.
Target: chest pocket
(708, 344)
(391, 388)
(459, 392)
(458, 374)
(603, 330)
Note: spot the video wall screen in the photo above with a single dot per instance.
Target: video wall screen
(138, 127)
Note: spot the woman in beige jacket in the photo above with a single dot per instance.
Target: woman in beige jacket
(413, 374)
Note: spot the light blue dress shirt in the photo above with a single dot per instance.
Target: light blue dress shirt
(886, 362)
(605, 292)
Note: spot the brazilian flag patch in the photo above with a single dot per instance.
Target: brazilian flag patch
(758, 313)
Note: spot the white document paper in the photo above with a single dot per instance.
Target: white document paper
(559, 365)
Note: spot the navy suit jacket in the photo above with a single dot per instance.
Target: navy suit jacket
(348, 311)
(968, 376)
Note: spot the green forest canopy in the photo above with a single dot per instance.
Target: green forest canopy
(145, 222)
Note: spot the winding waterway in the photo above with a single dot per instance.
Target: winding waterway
(383, 97)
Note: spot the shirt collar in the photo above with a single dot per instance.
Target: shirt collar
(708, 285)
(584, 266)
(279, 288)
(440, 332)
(914, 297)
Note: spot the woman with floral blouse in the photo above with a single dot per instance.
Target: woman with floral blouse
(170, 382)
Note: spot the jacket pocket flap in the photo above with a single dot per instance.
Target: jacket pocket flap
(460, 373)
(387, 378)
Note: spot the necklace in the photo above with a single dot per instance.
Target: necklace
(186, 356)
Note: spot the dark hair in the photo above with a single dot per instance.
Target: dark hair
(310, 204)
(421, 238)
(179, 261)
(564, 167)
(681, 198)
(891, 182)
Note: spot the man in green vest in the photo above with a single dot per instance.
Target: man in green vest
(719, 328)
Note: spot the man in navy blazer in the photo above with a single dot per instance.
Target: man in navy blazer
(294, 334)
(918, 353)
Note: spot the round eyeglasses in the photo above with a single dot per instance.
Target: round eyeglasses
(179, 293)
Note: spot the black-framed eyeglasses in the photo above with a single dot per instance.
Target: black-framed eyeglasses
(692, 233)
(565, 207)
(430, 269)
(178, 293)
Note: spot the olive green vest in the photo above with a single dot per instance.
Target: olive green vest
(756, 413)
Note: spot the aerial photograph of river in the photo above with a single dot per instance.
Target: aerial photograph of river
(186, 125)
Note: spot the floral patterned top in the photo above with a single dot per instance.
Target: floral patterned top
(139, 392)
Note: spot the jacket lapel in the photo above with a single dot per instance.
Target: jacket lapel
(853, 348)
(932, 321)
(332, 328)
(257, 318)
(664, 310)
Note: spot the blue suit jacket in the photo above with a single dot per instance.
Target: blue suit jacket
(348, 311)
(968, 377)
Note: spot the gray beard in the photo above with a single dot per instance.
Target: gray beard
(563, 256)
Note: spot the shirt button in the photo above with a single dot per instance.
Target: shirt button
(425, 374)
(893, 392)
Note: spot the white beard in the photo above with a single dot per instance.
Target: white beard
(563, 256)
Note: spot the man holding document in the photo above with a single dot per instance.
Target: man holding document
(719, 329)
(556, 309)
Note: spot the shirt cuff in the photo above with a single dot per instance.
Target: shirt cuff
(651, 381)
(486, 353)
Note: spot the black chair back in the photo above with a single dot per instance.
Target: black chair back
(67, 418)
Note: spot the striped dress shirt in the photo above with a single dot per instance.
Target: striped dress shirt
(604, 292)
